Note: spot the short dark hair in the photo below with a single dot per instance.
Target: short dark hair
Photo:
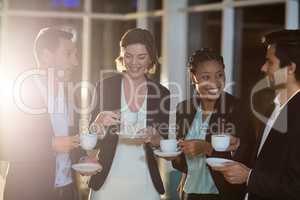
(287, 47)
(203, 55)
(48, 38)
(140, 36)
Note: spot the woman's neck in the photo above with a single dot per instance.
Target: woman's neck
(134, 83)
(208, 105)
(135, 92)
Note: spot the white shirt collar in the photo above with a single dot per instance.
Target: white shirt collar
(277, 101)
(273, 118)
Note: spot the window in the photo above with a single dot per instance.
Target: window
(105, 47)
(204, 31)
(19, 28)
(266, 19)
(118, 6)
(202, 2)
(47, 5)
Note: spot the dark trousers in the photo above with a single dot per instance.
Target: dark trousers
(201, 197)
(68, 192)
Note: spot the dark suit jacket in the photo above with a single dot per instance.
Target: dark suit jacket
(27, 146)
(276, 173)
(227, 115)
(158, 101)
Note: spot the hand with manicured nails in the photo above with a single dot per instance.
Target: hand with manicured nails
(108, 118)
(195, 147)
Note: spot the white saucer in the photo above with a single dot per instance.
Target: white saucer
(87, 167)
(159, 153)
(217, 162)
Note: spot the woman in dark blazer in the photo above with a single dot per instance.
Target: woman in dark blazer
(210, 111)
(130, 170)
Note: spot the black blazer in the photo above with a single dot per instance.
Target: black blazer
(228, 114)
(27, 145)
(276, 172)
(158, 100)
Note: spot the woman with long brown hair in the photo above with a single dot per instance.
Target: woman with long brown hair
(139, 108)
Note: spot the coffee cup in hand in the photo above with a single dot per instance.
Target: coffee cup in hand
(169, 145)
(88, 141)
(220, 142)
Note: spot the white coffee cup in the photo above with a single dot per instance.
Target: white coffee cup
(169, 145)
(88, 141)
(220, 142)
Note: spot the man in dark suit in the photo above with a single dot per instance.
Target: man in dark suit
(276, 172)
(39, 146)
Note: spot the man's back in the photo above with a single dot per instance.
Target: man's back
(279, 158)
(27, 146)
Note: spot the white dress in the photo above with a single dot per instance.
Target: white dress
(129, 177)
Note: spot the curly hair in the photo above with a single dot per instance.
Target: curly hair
(203, 55)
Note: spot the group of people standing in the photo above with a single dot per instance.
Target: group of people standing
(265, 168)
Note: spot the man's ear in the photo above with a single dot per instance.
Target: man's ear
(46, 57)
(291, 69)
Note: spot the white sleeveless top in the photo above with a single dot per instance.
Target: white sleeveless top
(129, 177)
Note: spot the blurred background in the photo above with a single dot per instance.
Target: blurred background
(232, 27)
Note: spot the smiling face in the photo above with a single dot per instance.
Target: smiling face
(277, 76)
(65, 57)
(136, 60)
(209, 78)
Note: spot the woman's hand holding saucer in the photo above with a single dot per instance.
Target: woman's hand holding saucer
(195, 147)
(152, 136)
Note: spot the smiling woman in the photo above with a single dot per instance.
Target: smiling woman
(137, 106)
(211, 111)
(136, 60)
(138, 39)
